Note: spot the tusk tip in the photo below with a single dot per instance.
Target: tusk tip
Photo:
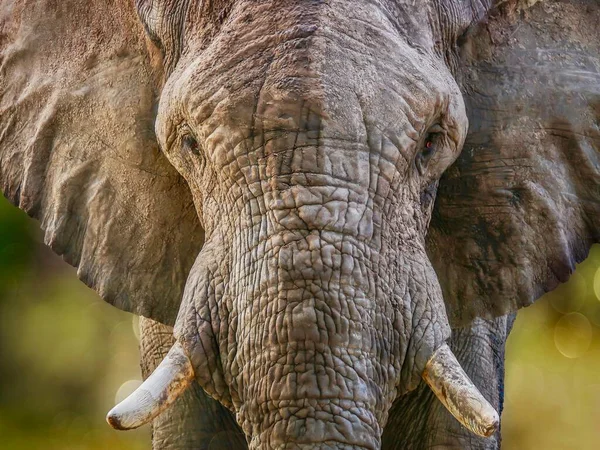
(487, 421)
(114, 421)
(118, 422)
(491, 425)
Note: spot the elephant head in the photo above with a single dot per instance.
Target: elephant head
(262, 175)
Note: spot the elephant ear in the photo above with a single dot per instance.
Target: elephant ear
(521, 205)
(78, 151)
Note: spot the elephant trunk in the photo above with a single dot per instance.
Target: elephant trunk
(310, 323)
(317, 344)
(306, 367)
(318, 423)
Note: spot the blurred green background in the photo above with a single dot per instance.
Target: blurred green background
(66, 357)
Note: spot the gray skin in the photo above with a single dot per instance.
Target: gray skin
(258, 175)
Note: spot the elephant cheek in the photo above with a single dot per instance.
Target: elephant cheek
(196, 328)
(422, 322)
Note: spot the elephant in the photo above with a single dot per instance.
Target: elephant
(326, 212)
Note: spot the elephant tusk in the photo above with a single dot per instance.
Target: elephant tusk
(168, 381)
(452, 386)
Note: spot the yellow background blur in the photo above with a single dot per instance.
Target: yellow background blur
(66, 357)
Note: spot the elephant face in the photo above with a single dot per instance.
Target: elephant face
(301, 147)
(313, 157)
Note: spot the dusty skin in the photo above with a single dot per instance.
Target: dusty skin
(327, 200)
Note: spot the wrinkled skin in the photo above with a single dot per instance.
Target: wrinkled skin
(313, 278)
(417, 420)
(304, 144)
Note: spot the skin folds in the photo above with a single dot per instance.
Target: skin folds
(317, 286)
(317, 196)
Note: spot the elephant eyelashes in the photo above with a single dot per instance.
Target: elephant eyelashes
(189, 143)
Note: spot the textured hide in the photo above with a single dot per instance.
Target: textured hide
(78, 151)
(272, 96)
(521, 205)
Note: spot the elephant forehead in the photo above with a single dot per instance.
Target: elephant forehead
(342, 72)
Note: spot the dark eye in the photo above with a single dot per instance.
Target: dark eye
(190, 144)
(430, 147)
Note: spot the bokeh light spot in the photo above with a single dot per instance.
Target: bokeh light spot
(573, 335)
(126, 388)
(597, 284)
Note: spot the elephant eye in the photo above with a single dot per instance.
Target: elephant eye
(430, 146)
(190, 144)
